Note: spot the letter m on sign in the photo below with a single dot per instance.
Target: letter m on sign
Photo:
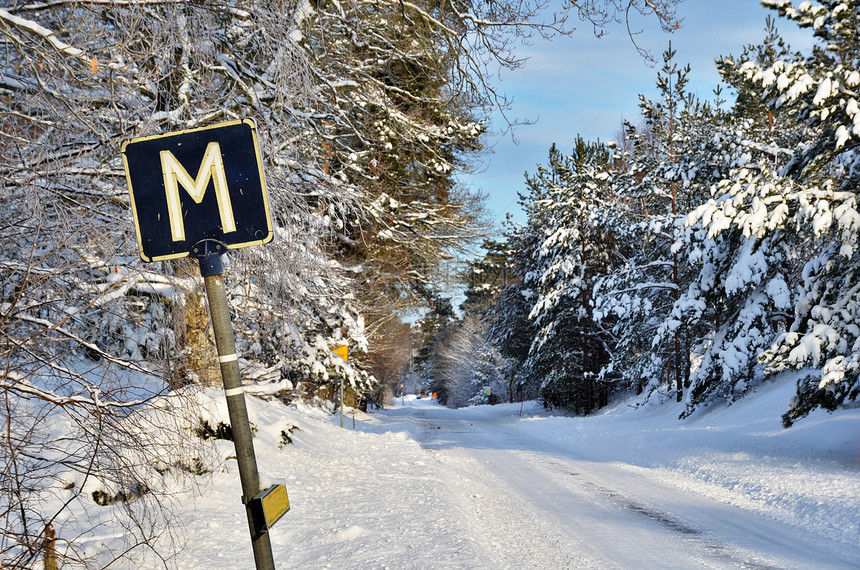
(200, 184)
(175, 175)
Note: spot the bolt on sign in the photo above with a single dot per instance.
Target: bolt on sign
(195, 185)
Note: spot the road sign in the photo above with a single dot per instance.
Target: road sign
(342, 351)
(198, 184)
(270, 505)
(200, 191)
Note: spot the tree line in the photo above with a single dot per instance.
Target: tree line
(713, 248)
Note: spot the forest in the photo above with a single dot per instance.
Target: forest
(710, 248)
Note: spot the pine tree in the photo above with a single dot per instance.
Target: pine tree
(740, 283)
(668, 172)
(568, 349)
(510, 329)
(822, 341)
(486, 276)
(790, 197)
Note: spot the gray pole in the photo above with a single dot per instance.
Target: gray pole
(341, 401)
(209, 254)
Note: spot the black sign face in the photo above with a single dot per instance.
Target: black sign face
(195, 185)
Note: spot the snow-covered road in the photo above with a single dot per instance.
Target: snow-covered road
(418, 486)
(529, 502)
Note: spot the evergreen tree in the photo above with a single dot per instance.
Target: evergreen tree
(822, 340)
(435, 327)
(466, 363)
(669, 171)
(568, 349)
(740, 294)
(510, 329)
(791, 197)
(486, 277)
(489, 278)
(741, 279)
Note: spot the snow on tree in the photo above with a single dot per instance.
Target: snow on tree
(509, 327)
(740, 281)
(776, 242)
(489, 277)
(89, 335)
(822, 88)
(139, 69)
(740, 293)
(568, 349)
(402, 91)
(466, 362)
(382, 72)
(668, 172)
(362, 124)
(821, 91)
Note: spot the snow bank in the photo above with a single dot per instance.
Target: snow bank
(806, 476)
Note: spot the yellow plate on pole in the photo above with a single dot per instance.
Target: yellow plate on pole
(275, 504)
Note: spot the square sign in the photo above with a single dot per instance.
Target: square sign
(270, 505)
(195, 185)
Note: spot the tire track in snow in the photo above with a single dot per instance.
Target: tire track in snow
(530, 520)
(568, 516)
(510, 534)
(670, 522)
(507, 529)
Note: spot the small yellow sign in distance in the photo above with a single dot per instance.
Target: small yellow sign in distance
(342, 351)
(275, 504)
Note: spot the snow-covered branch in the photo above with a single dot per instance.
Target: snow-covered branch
(44, 33)
(18, 383)
(7, 312)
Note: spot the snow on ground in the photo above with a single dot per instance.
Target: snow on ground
(420, 486)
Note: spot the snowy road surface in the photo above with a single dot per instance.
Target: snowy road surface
(530, 503)
(418, 486)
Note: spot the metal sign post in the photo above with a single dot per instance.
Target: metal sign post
(343, 352)
(190, 197)
(209, 253)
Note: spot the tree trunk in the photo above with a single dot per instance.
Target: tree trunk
(50, 548)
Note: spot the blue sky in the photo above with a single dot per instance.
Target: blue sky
(587, 85)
